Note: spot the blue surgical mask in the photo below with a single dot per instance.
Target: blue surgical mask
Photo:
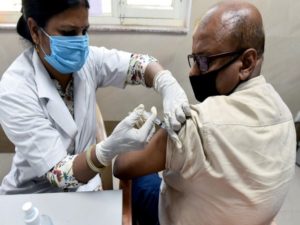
(68, 53)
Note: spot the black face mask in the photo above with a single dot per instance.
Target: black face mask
(205, 85)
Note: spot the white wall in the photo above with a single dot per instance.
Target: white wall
(281, 66)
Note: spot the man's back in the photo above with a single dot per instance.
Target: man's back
(237, 160)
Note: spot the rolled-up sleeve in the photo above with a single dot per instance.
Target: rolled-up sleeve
(190, 159)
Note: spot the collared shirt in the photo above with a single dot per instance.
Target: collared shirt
(237, 160)
(67, 96)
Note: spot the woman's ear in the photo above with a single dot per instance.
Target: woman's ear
(34, 30)
(249, 60)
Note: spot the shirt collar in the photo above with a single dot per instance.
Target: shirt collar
(251, 83)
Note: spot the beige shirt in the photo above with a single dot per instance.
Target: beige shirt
(236, 163)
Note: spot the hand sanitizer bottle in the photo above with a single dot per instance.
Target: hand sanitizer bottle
(32, 215)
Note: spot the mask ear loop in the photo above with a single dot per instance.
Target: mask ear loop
(45, 32)
(41, 46)
(36, 46)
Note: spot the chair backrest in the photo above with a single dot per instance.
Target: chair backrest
(101, 132)
(5, 145)
(7, 151)
(5, 164)
(106, 176)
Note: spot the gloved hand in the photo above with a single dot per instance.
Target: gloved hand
(175, 103)
(126, 137)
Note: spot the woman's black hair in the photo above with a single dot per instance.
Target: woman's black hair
(42, 11)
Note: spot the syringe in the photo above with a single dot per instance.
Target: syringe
(157, 121)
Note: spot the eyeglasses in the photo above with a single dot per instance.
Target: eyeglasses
(203, 61)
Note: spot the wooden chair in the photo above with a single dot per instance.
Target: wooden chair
(106, 176)
(5, 164)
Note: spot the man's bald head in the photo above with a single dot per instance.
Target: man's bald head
(237, 21)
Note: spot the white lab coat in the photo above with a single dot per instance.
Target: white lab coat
(37, 121)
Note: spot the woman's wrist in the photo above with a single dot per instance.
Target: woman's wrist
(92, 161)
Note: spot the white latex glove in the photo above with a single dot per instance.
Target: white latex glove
(175, 103)
(125, 137)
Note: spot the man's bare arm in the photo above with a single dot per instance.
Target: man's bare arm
(138, 163)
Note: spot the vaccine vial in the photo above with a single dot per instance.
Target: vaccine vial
(32, 215)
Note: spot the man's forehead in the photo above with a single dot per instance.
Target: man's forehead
(208, 36)
(207, 16)
(201, 43)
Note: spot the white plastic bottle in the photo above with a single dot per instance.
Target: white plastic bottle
(32, 215)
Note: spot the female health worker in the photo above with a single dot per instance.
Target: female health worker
(48, 100)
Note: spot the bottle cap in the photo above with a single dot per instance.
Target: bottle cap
(31, 214)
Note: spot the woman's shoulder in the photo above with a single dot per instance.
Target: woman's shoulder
(22, 64)
(97, 52)
(20, 72)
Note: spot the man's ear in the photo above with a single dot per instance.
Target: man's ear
(249, 60)
(34, 30)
